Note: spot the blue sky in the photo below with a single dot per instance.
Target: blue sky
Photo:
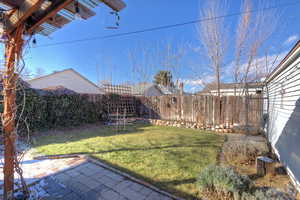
(110, 56)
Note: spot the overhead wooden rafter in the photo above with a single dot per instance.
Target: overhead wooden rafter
(51, 11)
(28, 17)
(10, 3)
(45, 16)
(25, 9)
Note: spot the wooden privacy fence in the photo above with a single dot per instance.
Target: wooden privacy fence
(206, 110)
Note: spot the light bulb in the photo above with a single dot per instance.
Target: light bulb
(78, 16)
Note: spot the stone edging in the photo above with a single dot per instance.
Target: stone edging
(221, 128)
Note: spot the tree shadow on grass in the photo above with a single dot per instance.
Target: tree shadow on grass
(202, 145)
(171, 149)
(75, 134)
(168, 185)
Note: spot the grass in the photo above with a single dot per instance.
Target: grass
(170, 158)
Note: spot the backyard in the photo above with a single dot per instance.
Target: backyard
(169, 158)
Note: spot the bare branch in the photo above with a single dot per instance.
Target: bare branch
(213, 35)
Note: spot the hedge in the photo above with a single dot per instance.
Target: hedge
(51, 110)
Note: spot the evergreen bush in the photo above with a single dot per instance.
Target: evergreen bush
(48, 111)
(223, 181)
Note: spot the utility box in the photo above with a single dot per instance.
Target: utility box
(264, 166)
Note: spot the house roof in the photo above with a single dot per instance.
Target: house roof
(141, 88)
(281, 66)
(168, 90)
(65, 70)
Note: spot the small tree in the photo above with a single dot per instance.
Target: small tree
(213, 36)
(147, 59)
(250, 39)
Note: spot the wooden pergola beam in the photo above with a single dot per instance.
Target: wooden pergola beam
(25, 10)
(85, 12)
(55, 8)
(116, 5)
(10, 3)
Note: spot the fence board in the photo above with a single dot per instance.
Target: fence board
(206, 110)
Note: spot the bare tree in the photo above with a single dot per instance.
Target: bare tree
(254, 28)
(213, 35)
(146, 60)
(143, 63)
(171, 57)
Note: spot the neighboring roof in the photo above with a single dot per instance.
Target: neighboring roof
(141, 88)
(213, 86)
(281, 65)
(168, 90)
(70, 69)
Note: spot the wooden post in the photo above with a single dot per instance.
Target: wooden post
(265, 165)
(13, 49)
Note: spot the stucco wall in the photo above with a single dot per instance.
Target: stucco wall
(69, 79)
(283, 127)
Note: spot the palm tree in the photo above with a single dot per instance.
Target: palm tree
(163, 78)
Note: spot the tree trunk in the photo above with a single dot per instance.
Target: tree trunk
(13, 50)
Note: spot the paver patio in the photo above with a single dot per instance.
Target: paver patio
(80, 178)
(89, 181)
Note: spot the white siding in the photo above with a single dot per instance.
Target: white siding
(283, 129)
(68, 79)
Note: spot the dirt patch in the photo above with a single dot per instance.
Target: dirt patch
(245, 162)
(243, 149)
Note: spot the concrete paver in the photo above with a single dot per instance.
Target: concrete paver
(80, 179)
(96, 184)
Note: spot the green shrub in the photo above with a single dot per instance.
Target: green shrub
(223, 181)
(220, 182)
(43, 112)
(265, 194)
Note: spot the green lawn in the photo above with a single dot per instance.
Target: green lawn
(170, 158)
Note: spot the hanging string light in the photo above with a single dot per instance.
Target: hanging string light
(77, 10)
(117, 24)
